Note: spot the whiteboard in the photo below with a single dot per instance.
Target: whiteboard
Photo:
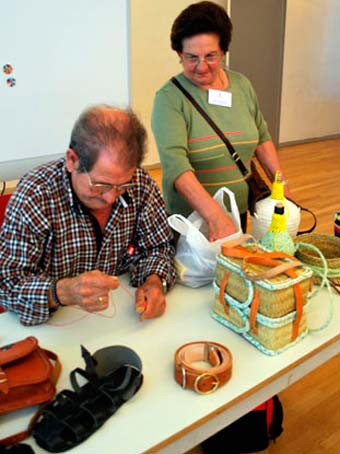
(65, 55)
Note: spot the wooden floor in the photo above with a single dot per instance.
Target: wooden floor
(312, 405)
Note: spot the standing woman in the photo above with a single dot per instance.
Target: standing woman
(194, 160)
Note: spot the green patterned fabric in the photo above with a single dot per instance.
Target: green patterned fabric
(186, 142)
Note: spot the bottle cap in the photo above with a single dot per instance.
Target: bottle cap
(279, 208)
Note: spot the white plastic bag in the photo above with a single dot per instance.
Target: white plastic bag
(195, 258)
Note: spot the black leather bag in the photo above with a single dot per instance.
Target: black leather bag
(258, 188)
(251, 433)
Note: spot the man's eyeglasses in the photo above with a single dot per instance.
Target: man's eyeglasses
(195, 60)
(102, 188)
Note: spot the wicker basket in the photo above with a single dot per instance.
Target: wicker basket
(328, 246)
(276, 318)
(276, 296)
(273, 335)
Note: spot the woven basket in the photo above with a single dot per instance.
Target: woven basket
(276, 326)
(273, 335)
(276, 296)
(329, 246)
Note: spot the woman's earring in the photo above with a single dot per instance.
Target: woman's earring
(181, 60)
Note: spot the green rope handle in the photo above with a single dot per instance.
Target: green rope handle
(324, 273)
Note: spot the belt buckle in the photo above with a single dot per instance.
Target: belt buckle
(215, 385)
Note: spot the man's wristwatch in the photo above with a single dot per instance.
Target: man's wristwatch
(54, 295)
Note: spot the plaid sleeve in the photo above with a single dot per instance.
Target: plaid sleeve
(23, 285)
(154, 239)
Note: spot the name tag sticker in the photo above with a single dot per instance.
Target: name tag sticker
(220, 98)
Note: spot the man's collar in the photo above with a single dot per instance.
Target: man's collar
(70, 194)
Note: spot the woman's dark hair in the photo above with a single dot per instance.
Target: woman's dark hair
(104, 126)
(202, 17)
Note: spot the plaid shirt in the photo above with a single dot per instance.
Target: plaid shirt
(48, 234)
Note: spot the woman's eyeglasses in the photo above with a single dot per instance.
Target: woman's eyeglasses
(102, 188)
(195, 60)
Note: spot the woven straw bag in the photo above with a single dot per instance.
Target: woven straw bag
(321, 252)
(262, 295)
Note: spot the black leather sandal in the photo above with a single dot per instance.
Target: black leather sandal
(113, 376)
(17, 448)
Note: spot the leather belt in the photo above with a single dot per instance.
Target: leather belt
(202, 380)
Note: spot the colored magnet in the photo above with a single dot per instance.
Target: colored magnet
(7, 69)
(11, 82)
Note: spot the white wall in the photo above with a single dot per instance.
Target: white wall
(311, 73)
(66, 55)
(311, 79)
(152, 59)
(311, 76)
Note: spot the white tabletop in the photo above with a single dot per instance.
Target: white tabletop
(162, 417)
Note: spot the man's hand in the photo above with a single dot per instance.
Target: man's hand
(150, 298)
(89, 290)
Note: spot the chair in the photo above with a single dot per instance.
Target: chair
(3, 203)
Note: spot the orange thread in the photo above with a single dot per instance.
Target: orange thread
(88, 314)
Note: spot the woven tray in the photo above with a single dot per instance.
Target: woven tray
(329, 246)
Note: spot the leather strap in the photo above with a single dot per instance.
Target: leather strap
(334, 285)
(202, 380)
(255, 304)
(275, 267)
(235, 249)
(301, 232)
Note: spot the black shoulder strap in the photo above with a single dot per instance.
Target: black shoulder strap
(226, 141)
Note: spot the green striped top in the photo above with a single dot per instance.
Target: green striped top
(186, 141)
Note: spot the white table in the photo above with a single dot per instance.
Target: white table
(162, 417)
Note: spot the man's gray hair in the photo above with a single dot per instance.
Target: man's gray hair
(104, 127)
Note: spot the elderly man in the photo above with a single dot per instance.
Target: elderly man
(74, 224)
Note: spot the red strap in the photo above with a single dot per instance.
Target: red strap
(12, 439)
(260, 407)
(268, 407)
(269, 414)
